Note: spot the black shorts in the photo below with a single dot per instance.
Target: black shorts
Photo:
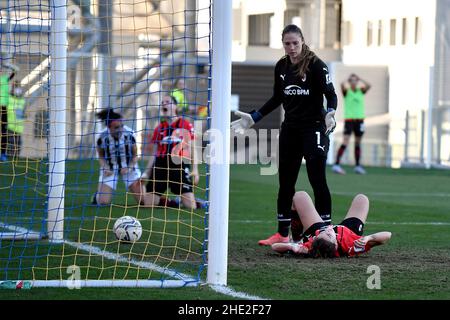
(309, 143)
(356, 126)
(311, 231)
(354, 224)
(166, 174)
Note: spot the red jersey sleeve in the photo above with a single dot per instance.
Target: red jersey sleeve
(189, 127)
(346, 240)
(308, 244)
(155, 135)
(357, 250)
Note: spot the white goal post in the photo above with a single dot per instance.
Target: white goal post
(220, 172)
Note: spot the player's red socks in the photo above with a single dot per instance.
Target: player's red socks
(340, 153)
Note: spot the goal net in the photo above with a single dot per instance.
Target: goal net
(66, 176)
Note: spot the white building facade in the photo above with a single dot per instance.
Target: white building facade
(410, 38)
(401, 46)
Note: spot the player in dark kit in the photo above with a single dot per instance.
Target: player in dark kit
(327, 241)
(171, 150)
(301, 81)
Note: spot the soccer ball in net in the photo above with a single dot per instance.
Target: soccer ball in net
(127, 229)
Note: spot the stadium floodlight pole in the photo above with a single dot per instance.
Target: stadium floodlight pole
(220, 122)
(57, 114)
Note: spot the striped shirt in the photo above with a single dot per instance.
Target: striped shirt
(118, 153)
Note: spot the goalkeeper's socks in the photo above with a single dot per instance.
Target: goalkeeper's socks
(284, 222)
(326, 217)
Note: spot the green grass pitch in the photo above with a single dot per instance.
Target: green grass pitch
(413, 204)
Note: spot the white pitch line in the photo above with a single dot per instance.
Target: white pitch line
(396, 194)
(225, 290)
(406, 223)
(235, 294)
(117, 257)
(151, 266)
(411, 223)
(426, 223)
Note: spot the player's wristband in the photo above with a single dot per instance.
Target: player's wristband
(256, 115)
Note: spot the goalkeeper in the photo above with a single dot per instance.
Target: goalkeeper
(301, 81)
(326, 241)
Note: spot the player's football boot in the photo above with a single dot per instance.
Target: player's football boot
(286, 247)
(273, 239)
(337, 169)
(201, 204)
(359, 170)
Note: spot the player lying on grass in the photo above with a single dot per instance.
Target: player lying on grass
(343, 240)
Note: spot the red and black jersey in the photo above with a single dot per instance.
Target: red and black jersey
(168, 135)
(345, 239)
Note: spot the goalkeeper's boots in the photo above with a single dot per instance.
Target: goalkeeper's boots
(289, 247)
(273, 239)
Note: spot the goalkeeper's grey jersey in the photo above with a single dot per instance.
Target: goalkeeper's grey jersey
(118, 152)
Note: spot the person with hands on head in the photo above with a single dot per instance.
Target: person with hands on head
(300, 84)
(354, 114)
(117, 155)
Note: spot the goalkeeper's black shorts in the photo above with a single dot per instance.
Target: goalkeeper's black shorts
(166, 174)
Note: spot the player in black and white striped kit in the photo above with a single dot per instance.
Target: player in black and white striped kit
(117, 154)
(301, 82)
